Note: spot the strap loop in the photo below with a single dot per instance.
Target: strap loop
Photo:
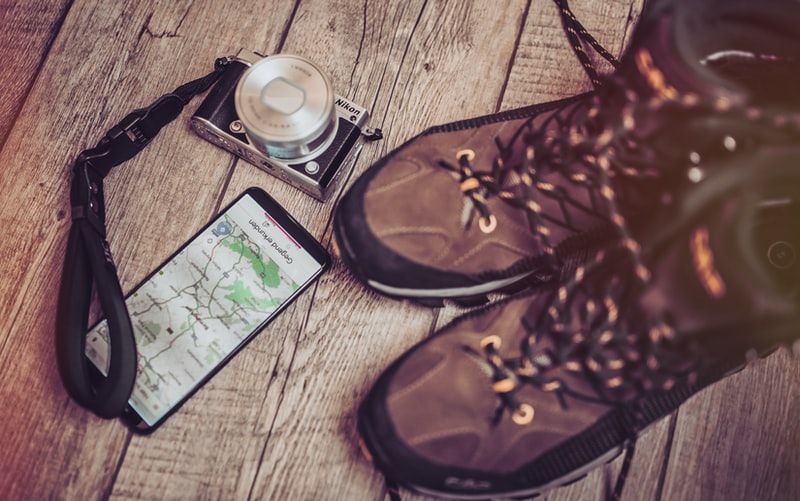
(89, 262)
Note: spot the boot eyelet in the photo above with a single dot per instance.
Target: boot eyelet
(487, 224)
(506, 385)
(527, 369)
(523, 415)
(467, 154)
(493, 340)
(695, 174)
(729, 142)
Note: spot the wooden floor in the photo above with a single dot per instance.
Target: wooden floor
(278, 422)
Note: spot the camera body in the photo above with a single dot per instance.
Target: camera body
(313, 163)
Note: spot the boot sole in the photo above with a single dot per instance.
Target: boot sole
(574, 476)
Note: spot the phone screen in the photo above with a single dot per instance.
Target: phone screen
(204, 302)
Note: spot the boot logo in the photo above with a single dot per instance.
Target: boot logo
(467, 483)
(703, 261)
(654, 76)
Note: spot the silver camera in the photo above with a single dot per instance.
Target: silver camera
(280, 114)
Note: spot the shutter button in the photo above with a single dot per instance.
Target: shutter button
(312, 167)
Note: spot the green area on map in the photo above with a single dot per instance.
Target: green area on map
(268, 271)
(242, 295)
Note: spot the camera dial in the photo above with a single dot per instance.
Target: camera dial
(781, 254)
(286, 104)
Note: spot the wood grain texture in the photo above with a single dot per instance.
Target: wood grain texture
(740, 439)
(545, 67)
(252, 388)
(27, 29)
(107, 59)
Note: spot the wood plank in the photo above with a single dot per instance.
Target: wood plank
(740, 439)
(27, 29)
(108, 59)
(546, 68)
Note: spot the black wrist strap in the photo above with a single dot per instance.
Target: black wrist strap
(88, 260)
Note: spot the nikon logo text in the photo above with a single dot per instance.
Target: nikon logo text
(341, 103)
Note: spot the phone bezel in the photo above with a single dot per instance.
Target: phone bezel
(130, 417)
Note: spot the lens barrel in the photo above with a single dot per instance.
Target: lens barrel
(286, 104)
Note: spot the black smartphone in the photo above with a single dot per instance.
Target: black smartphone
(206, 301)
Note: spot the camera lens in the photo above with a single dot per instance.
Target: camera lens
(781, 254)
(286, 104)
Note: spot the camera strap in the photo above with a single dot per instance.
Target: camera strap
(89, 262)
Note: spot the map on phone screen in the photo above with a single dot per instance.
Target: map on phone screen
(204, 302)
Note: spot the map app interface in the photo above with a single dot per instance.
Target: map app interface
(203, 303)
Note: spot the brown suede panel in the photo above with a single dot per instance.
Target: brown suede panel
(423, 363)
(452, 400)
(416, 207)
(454, 447)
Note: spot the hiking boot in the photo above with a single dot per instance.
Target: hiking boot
(535, 391)
(532, 393)
(428, 221)
(493, 203)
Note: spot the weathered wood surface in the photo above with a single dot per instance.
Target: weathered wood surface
(740, 438)
(278, 422)
(108, 58)
(27, 29)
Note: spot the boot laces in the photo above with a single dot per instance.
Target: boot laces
(582, 331)
(478, 186)
(618, 358)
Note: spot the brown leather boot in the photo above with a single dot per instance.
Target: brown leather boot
(449, 214)
(492, 203)
(532, 393)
